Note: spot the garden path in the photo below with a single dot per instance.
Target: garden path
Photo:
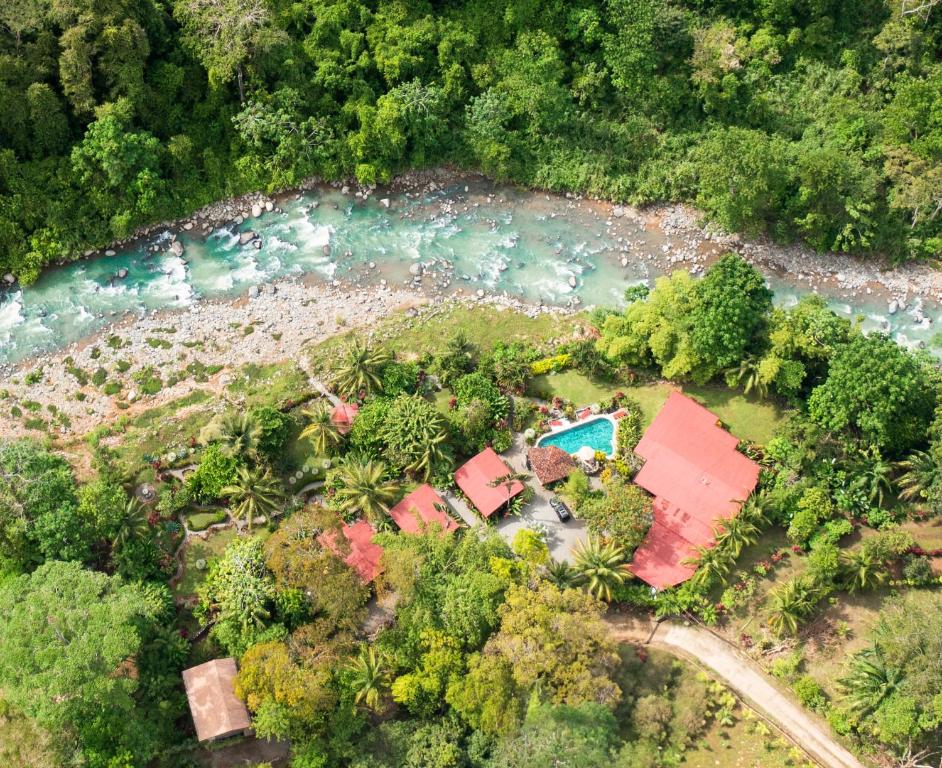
(741, 674)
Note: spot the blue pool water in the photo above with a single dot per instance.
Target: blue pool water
(598, 434)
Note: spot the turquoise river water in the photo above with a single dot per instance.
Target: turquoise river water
(530, 245)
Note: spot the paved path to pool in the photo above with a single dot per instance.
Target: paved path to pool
(560, 537)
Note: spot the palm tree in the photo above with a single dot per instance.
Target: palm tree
(321, 430)
(364, 487)
(874, 476)
(712, 564)
(133, 525)
(370, 678)
(254, 492)
(506, 481)
(737, 533)
(869, 681)
(789, 605)
(237, 432)
(862, 569)
(757, 508)
(748, 375)
(600, 566)
(359, 369)
(560, 573)
(920, 473)
(433, 452)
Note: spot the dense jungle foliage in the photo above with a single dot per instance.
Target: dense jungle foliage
(811, 119)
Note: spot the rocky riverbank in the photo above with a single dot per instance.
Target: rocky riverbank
(91, 383)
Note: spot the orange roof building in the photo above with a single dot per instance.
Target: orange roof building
(364, 557)
(217, 711)
(475, 477)
(420, 509)
(550, 463)
(698, 479)
(343, 415)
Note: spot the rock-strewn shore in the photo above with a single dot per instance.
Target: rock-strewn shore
(275, 325)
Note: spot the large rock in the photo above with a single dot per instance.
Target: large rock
(122, 273)
(256, 210)
(246, 237)
(415, 268)
(253, 292)
(269, 206)
(384, 202)
(176, 247)
(9, 279)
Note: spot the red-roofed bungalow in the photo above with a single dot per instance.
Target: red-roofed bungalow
(420, 509)
(698, 479)
(343, 415)
(365, 556)
(475, 479)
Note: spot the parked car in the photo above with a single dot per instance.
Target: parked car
(561, 510)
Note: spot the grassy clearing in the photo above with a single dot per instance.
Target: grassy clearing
(747, 744)
(273, 384)
(573, 386)
(416, 337)
(198, 549)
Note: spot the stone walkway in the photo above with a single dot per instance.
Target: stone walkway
(742, 675)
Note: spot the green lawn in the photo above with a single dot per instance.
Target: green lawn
(274, 384)
(747, 744)
(746, 417)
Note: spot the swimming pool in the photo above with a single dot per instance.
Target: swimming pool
(597, 433)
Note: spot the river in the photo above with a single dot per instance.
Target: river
(468, 235)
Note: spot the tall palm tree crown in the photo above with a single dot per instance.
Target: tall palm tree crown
(253, 493)
(321, 430)
(360, 368)
(237, 432)
(370, 677)
(364, 487)
(600, 566)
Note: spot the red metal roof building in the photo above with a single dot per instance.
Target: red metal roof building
(343, 415)
(364, 557)
(420, 509)
(698, 479)
(475, 476)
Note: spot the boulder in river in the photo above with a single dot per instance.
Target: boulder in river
(572, 281)
(109, 252)
(415, 268)
(176, 247)
(893, 307)
(9, 279)
(384, 202)
(258, 244)
(269, 206)
(246, 237)
(618, 211)
(122, 273)
(253, 292)
(256, 211)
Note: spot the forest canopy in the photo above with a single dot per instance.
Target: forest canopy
(819, 121)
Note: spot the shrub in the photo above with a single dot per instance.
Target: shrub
(630, 428)
(202, 520)
(918, 570)
(555, 363)
(809, 693)
(814, 507)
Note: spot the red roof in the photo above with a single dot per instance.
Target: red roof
(475, 478)
(421, 508)
(550, 464)
(365, 556)
(698, 478)
(343, 415)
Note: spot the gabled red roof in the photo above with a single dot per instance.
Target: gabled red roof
(343, 415)
(698, 478)
(421, 508)
(365, 556)
(475, 476)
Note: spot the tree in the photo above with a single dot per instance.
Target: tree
(863, 569)
(238, 595)
(748, 375)
(920, 476)
(321, 430)
(712, 564)
(456, 359)
(873, 476)
(789, 605)
(39, 514)
(561, 574)
(238, 434)
(877, 391)
(582, 735)
(737, 533)
(869, 681)
(23, 16)
(66, 635)
(556, 640)
(226, 34)
(621, 513)
(415, 436)
(369, 678)
(364, 487)
(254, 492)
(730, 316)
(133, 525)
(600, 566)
(359, 370)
